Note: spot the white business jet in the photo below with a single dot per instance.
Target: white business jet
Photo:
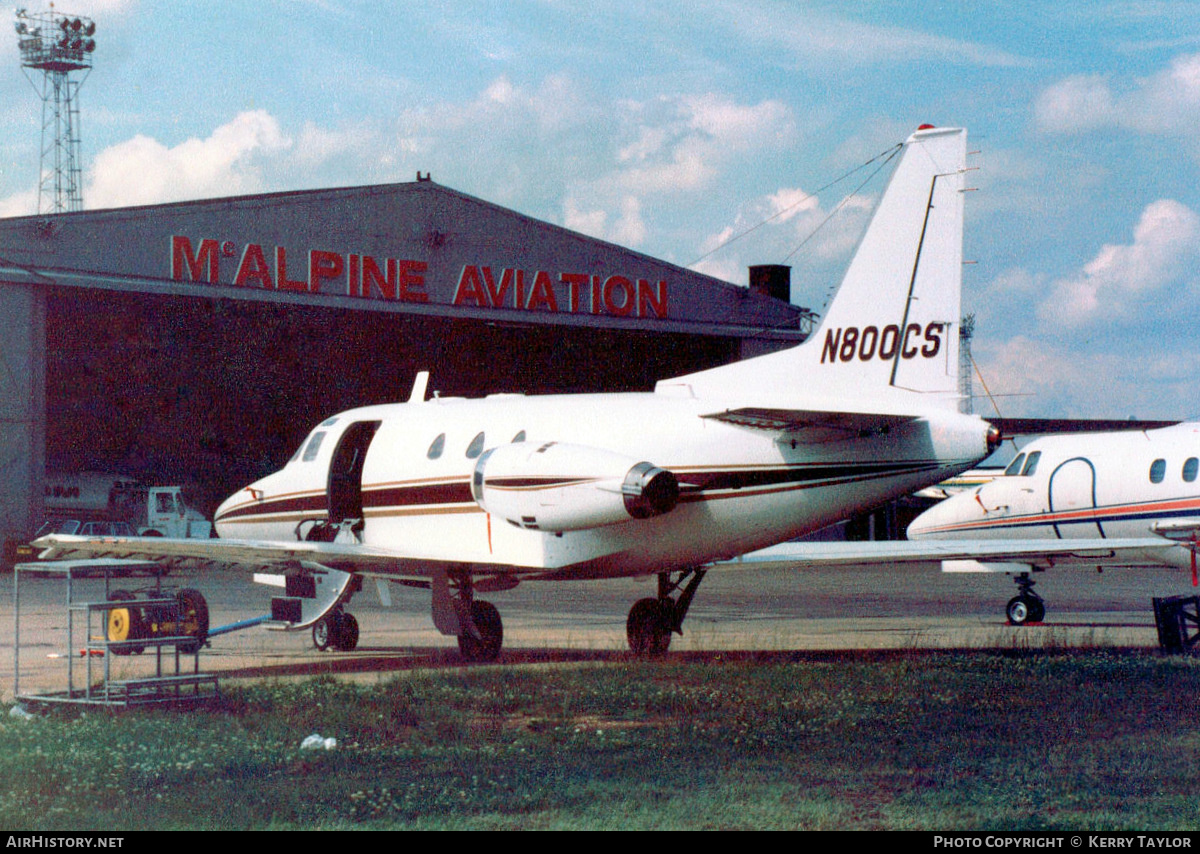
(1134, 494)
(470, 496)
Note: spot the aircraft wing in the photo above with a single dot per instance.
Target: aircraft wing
(968, 555)
(364, 560)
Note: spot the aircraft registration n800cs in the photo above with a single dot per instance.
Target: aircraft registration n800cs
(471, 496)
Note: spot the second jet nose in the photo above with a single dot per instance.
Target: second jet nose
(946, 518)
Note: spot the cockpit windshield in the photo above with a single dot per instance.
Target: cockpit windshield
(1023, 464)
(1015, 466)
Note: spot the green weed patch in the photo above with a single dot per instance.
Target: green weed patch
(1092, 740)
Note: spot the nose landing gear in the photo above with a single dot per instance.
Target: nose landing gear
(1026, 606)
(338, 629)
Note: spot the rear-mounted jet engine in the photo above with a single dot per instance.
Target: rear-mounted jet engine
(559, 487)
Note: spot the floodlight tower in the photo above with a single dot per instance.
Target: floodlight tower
(57, 45)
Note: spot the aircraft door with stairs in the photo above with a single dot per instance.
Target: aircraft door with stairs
(344, 490)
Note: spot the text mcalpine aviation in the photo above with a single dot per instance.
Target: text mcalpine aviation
(404, 280)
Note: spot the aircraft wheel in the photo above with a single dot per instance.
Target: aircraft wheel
(322, 633)
(345, 632)
(193, 619)
(1021, 610)
(124, 624)
(648, 628)
(1037, 610)
(491, 630)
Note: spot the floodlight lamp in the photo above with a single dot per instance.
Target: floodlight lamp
(89, 45)
(64, 23)
(90, 29)
(21, 28)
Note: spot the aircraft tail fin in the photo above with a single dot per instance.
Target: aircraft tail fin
(891, 330)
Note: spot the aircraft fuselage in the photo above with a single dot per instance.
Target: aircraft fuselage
(1099, 485)
(407, 469)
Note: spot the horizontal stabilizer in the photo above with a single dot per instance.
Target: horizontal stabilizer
(1040, 426)
(795, 420)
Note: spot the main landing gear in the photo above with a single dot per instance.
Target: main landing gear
(1026, 606)
(476, 623)
(485, 643)
(651, 622)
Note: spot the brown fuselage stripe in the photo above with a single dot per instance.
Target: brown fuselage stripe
(422, 497)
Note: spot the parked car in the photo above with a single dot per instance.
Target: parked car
(103, 528)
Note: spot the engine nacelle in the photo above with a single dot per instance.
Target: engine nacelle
(553, 486)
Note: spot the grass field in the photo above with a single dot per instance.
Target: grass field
(913, 740)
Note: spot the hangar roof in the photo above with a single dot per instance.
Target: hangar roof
(409, 247)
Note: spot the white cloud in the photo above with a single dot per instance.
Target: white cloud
(1130, 277)
(664, 151)
(1042, 377)
(682, 143)
(808, 37)
(1164, 103)
(144, 171)
(20, 204)
(1075, 104)
(1120, 329)
(789, 226)
(629, 229)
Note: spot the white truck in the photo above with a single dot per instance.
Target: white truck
(151, 511)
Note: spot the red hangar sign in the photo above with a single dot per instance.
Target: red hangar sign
(404, 280)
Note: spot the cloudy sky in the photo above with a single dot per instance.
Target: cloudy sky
(670, 127)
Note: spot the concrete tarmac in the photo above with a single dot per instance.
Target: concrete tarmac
(737, 609)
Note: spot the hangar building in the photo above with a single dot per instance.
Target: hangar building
(196, 343)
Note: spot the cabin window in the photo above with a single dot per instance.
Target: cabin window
(1191, 466)
(1031, 464)
(520, 437)
(314, 445)
(476, 447)
(436, 447)
(1015, 466)
(328, 422)
(1158, 470)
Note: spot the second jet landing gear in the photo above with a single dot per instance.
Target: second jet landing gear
(651, 622)
(1026, 606)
